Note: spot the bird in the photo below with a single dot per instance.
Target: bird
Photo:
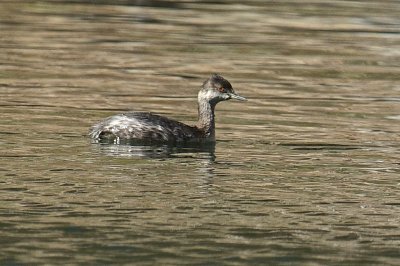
(148, 128)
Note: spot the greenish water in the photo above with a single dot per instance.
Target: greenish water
(304, 173)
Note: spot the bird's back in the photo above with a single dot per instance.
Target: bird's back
(144, 128)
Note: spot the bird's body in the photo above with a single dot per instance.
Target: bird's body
(148, 128)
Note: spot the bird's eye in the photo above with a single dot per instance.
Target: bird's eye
(221, 89)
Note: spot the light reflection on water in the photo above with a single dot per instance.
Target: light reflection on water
(305, 172)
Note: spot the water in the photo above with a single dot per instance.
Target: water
(305, 172)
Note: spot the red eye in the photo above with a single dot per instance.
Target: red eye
(221, 89)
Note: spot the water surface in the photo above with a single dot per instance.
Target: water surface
(305, 172)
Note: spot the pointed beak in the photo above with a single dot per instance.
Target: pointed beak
(237, 97)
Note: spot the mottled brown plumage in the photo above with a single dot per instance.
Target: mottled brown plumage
(147, 128)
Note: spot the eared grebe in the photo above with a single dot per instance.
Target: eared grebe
(147, 128)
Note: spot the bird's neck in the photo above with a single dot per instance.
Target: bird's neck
(206, 121)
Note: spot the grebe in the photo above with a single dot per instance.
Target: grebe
(148, 128)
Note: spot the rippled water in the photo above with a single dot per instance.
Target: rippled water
(305, 172)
